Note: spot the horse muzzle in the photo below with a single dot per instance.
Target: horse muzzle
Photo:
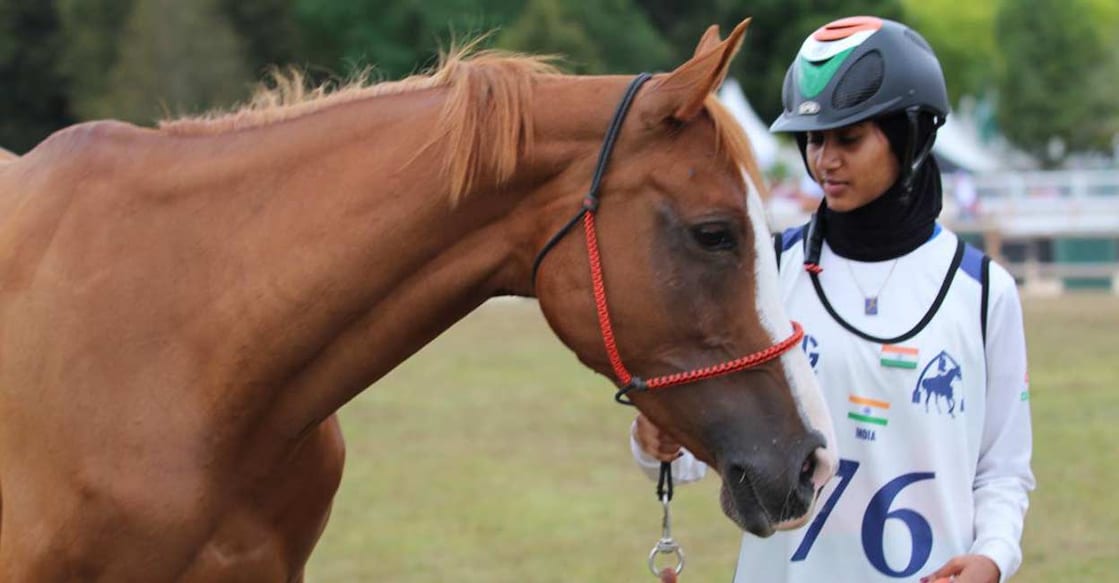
(767, 491)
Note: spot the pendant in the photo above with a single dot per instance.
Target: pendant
(870, 306)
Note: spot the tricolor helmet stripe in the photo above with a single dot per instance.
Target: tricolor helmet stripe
(845, 27)
(826, 49)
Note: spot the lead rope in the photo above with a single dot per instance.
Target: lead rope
(666, 545)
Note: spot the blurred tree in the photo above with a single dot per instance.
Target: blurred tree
(599, 37)
(174, 57)
(625, 38)
(544, 27)
(397, 38)
(1057, 80)
(92, 29)
(269, 31)
(962, 34)
(33, 102)
(1105, 13)
(776, 32)
(404, 36)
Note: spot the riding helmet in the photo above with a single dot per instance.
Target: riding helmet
(860, 68)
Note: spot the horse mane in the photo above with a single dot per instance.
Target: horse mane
(486, 120)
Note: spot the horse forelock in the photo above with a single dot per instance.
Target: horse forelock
(485, 124)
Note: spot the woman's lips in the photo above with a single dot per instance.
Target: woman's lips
(834, 187)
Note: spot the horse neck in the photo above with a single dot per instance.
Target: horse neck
(385, 261)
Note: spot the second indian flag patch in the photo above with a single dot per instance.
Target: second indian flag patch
(868, 410)
(897, 356)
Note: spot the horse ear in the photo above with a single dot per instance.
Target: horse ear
(681, 94)
(709, 40)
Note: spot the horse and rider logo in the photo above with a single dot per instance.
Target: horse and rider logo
(936, 382)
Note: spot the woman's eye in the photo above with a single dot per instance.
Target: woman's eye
(714, 237)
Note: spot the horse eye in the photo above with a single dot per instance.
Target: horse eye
(714, 237)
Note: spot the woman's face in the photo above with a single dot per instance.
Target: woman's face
(853, 164)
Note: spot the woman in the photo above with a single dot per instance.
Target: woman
(915, 337)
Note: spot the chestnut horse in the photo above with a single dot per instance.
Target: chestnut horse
(183, 309)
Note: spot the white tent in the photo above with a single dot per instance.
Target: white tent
(766, 146)
(958, 143)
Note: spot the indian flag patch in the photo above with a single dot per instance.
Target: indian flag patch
(867, 410)
(898, 356)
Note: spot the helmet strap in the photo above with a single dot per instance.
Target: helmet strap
(914, 159)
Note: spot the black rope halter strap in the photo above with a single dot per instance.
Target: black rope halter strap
(590, 201)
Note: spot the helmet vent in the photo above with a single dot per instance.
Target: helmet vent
(788, 95)
(860, 82)
(919, 40)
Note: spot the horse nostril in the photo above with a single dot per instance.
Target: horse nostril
(808, 470)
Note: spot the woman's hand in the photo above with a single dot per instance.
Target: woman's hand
(654, 442)
(966, 569)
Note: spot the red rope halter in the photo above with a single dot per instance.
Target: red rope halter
(625, 380)
(628, 381)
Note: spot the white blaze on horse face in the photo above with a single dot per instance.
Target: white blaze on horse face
(798, 373)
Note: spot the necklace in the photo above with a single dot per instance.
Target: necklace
(870, 301)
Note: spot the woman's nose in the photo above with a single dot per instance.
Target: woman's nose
(827, 156)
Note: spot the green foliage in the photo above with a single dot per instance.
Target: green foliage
(269, 30)
(174, 57)
(545, 27)
(962, 34)
(398, 38)
(1051, 63)
(92, 29)
(34, 99)
(1057, 80)
(609, 36)
(625, 38)
(402, 37)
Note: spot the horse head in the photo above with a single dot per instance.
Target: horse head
(690, 281)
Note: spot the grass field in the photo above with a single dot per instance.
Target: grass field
(494, 457)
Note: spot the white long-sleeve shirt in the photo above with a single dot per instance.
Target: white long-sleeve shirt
(932, 420)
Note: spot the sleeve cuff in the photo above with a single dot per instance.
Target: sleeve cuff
(1007, 557)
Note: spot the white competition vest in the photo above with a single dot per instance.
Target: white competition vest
(906, 390)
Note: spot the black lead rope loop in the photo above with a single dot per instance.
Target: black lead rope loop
(634, 384)
(664, 484)
(590, 202)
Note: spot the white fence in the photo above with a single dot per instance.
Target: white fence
(1039, 204)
